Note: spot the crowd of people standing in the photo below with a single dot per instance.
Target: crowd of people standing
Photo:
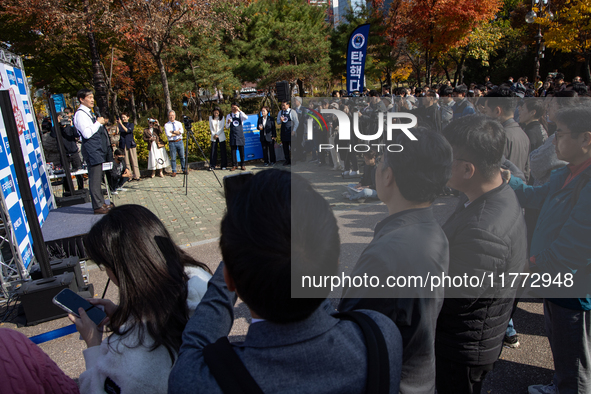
(504, 153)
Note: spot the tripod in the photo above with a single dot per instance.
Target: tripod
(188, 122)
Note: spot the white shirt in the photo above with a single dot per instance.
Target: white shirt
(83, 122)
(173, 126)
(216, 127)
(240, 114)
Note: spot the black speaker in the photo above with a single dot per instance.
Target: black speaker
(79, 197)
(58, 267)
(283, 93)
(36, 297)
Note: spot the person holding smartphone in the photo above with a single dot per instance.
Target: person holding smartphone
(159, 288)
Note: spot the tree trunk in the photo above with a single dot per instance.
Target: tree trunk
(98, 79)
(164, 81)
(100, 88)
(446, 73)
(586, 68)
(301, 88)
(461, 69)
(133, 109)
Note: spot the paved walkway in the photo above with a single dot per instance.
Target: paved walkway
(195, 217)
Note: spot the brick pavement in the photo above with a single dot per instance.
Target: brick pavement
(195, 217)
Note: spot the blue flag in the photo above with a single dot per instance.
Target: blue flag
(356, 52)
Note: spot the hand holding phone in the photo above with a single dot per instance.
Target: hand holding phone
(85, 315)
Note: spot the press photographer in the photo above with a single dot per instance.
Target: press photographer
(70, 143)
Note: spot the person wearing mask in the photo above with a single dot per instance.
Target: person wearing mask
(119, 174)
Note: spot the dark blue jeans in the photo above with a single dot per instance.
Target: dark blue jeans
(177, 146)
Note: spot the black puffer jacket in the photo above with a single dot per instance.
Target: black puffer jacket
(486, 239)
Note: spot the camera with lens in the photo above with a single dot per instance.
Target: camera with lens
(187, 121)
(65, 120)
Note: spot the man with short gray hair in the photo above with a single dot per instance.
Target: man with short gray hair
(174, 133)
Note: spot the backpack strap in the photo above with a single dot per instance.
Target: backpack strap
(233, 377)
(228, 370)
(378, 363)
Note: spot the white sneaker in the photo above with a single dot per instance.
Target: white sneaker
(121, 189)
(542, 389)
(115, 192)
(353, 173)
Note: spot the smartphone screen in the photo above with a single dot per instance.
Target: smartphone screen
(71, 302)
(233, 183)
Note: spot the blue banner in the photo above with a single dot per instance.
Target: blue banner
(13, 80)
(356, 52)
(253, 149)
(60, 102)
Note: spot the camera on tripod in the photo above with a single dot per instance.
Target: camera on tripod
(187, 121)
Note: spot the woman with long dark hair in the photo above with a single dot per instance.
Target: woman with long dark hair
(159, 288)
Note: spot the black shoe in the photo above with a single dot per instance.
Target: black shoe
(511, 341)
(287, 163)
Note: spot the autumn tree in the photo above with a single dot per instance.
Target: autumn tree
(481, 44)
(155, 26)
(56, 20)
(436, 26)
(570, 31)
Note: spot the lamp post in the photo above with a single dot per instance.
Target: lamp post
(543, 8)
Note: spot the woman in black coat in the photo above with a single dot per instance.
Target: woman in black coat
(266, 125)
